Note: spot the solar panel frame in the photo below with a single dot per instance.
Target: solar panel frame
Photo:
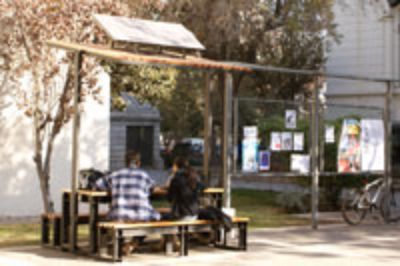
(147, 32)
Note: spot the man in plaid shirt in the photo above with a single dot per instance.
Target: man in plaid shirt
(130, 191)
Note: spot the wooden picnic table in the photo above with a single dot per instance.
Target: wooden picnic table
(94, 198)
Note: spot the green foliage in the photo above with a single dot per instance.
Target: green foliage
(177, 94)
(293, 202)
(182, 111)
(150, 84)
(278, 33)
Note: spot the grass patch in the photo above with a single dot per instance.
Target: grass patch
(19, 234)
(259, 206)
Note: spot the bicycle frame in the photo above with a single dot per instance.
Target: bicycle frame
(372, 199)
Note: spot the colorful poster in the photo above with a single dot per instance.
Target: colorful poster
(349, 152)
(372, 145)
(265, 160)
(249, 155)
(329, 134)
(300, 163)
(276, 141)
(290, 119)
(287, 141)
(298, 141)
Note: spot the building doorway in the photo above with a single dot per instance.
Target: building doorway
(140, 139)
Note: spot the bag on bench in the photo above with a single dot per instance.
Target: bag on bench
(217, 215)
(89, 177)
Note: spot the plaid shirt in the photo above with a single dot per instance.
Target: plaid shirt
(130, 190)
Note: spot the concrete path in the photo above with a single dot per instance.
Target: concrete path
(372, 244)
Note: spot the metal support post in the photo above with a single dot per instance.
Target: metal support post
(388, 135)
(227, 138)
(75, 153)
(235, 133)
(207, 127)
(314, 158)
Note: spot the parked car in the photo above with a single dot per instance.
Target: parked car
(191, 150)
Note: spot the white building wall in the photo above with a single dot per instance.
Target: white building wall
(369, 47)
(20, 193)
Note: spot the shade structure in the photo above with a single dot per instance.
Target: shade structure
(126, 57)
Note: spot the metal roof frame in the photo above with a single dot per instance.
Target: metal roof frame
(267, 68)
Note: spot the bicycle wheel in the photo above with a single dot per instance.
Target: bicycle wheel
(352, 210)
(390, 207)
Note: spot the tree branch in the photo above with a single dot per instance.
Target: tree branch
(58, 121)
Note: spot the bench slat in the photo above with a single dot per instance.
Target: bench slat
(133, 225)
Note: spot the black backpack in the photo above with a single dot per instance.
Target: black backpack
(217, 215)
(89, 177)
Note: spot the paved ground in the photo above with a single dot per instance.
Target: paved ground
(370, 244)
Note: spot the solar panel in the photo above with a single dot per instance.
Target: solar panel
(148, 32)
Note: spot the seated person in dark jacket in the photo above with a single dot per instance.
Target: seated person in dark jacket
(184, 192)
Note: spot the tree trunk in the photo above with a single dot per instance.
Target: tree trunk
(43, 161)
(44, 179)
(48, 203)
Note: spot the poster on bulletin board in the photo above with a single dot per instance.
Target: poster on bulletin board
(300, 163)
(287, 141)
(372, 145)
(250, 155)
(291, 119)
(298, 141)
(349, 152)
(264, 160)
(276, 141)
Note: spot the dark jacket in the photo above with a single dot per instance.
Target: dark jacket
(184, 199)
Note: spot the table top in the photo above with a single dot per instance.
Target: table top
(159, 192)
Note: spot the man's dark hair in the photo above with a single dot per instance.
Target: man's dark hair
(181, 163)
(132, 157)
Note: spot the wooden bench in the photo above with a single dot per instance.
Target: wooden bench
(52, 227)
(53, 233)
(119, 231)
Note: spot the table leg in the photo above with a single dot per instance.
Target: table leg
(243, 236)
(186, 240)
(65, 218)
(118, 243)
(219, 200)
(45, 229)
(73, 226)
(93, 219)
(182, 241)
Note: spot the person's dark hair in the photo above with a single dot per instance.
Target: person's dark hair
(181, 163)
(132, 156)
(192, 177)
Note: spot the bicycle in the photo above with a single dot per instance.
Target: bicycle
(357, 202)
(390, 204)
